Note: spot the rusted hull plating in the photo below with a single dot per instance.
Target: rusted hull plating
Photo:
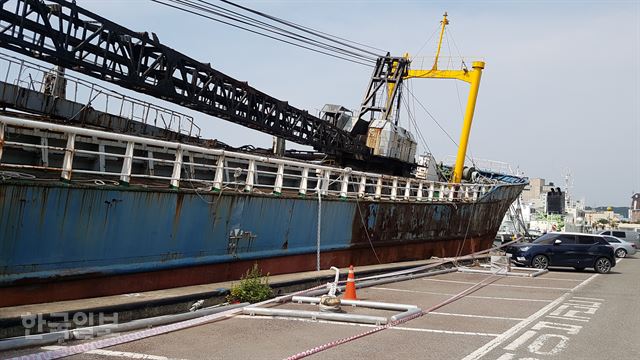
(57, 240)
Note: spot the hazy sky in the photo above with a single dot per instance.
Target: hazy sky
(560, 92)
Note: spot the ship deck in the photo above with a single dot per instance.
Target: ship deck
(559, 314)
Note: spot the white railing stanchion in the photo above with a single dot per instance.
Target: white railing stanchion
(177, 169)
(277, 186)
(67, 163)
(127, 161)
(378, 194)
(394, 188)
(344, 186)
(150, 163)
(251, 171)
(302, 191)
(441, 194)
(102, 159)
(419, 194)
(192, 169)
(407, 190)
(326, 179)
(431, 192)
(363, 186)
(44, 151)
(219, 177)
(452, 191)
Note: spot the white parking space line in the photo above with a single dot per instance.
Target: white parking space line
(476, 316)
(121, 354)
(444, 331)
(587, 298)
(502, 285)
(556, 279)
(400, 328)
(482, 351)
(468, 296)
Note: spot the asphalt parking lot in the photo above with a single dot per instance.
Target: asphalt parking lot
(563, 314)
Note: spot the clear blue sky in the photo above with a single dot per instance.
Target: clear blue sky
(561, 89)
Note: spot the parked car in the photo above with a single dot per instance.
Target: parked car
(575, 250)
(626, 235)
(620, 247)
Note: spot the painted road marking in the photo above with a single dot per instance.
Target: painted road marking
(468, 296)
(482, 351)
(560, 317)
(401, 328)
(587, 298)
(444, 331)
(122, 354)
(515, 329)
(557, 279)
(503, 285)
(476, 316)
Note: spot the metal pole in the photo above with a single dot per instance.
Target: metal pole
(319, 223)
(444, 23)
(1, 139)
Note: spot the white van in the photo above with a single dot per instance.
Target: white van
(627, 235)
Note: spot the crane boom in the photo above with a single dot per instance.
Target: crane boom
(64, 34)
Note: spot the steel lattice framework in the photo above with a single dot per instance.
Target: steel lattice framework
(62, 33)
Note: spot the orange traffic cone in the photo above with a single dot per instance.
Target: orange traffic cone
(350, 289)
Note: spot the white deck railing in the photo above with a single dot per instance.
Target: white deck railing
(125, 158)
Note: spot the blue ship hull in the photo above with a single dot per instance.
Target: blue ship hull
(56, 238)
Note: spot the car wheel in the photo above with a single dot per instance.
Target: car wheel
(540, 262)
(603, 265)
(621, 253)
(579, 268)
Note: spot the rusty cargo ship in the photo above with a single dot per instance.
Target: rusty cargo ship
(98, 202)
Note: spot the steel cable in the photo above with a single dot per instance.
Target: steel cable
(210, 11)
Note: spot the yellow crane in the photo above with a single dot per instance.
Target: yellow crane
(469, 76)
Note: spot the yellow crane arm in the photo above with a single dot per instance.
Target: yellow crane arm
(463, 75)
(472, 77)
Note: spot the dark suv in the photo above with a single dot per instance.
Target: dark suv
(565, 249)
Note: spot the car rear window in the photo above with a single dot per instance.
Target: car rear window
(619, 234)
(611, 239)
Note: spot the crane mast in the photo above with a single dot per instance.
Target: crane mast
(387, 80)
